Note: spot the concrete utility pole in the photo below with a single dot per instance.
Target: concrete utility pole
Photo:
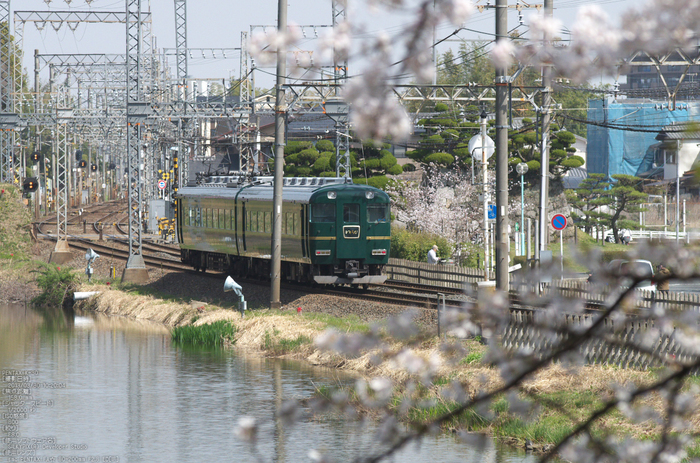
(544, 168)
(280, 110)
(485, 193)
(502, 241)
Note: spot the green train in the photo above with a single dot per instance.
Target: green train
(333, 231)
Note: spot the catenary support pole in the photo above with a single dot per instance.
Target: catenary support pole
(280, 110)
(502, 240)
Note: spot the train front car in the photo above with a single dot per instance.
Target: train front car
(349, 234)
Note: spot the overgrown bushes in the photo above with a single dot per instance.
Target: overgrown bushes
(415, 246)
(56, 285)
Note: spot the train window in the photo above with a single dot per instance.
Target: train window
(377, 213)
(215, 218)
(247, 221)
(198, 217)
(323, 212)
(268, 222)
(222, 218)
(210, 218)
(351, 213)
(233, 220)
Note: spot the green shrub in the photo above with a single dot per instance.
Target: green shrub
(396, 169)
(56, 285)
(415, 245)
(443, 159)
(213, 334)
(296, 146)
(379, 181)
(325, 145)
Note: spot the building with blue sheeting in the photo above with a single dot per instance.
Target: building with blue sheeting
(622, 138)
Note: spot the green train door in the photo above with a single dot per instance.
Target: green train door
(351, 243)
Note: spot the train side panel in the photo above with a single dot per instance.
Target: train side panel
(331, 233)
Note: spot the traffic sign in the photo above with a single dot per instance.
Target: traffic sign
(492, 211)
(559, 222)
(161, 185)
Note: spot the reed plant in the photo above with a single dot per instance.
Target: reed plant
(213, 334)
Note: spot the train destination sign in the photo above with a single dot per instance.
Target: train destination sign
(351, 231)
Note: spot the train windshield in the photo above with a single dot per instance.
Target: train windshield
(377, 213)
(351, 213)
(323, 213)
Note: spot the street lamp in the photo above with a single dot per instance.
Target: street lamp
(522, 169)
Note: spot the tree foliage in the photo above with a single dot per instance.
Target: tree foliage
(587, 199)
(626, 196)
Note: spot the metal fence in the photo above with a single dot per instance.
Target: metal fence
(445, 275)
(626, 346)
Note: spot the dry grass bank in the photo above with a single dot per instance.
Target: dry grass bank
(253, 328)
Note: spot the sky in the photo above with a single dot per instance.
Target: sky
(219, 23)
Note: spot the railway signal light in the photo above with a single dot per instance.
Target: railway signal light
(112, 166)
(35, 157)
(78, 155)
(93, 167)
(30, 184)
(82, 164)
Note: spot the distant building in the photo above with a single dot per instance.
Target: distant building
(622, 134)
(644, 79)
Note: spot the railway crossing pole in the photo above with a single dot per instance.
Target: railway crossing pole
(280, 109)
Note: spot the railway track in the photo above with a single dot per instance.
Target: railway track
(166, 257)
(154, 262)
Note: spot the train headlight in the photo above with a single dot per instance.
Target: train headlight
(369, 194)
(332, 195)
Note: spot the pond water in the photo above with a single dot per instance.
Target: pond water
(93, 388)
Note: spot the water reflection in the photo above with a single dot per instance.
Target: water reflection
(129, 393)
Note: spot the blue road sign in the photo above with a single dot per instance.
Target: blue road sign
(492, 211)
(559, 222)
